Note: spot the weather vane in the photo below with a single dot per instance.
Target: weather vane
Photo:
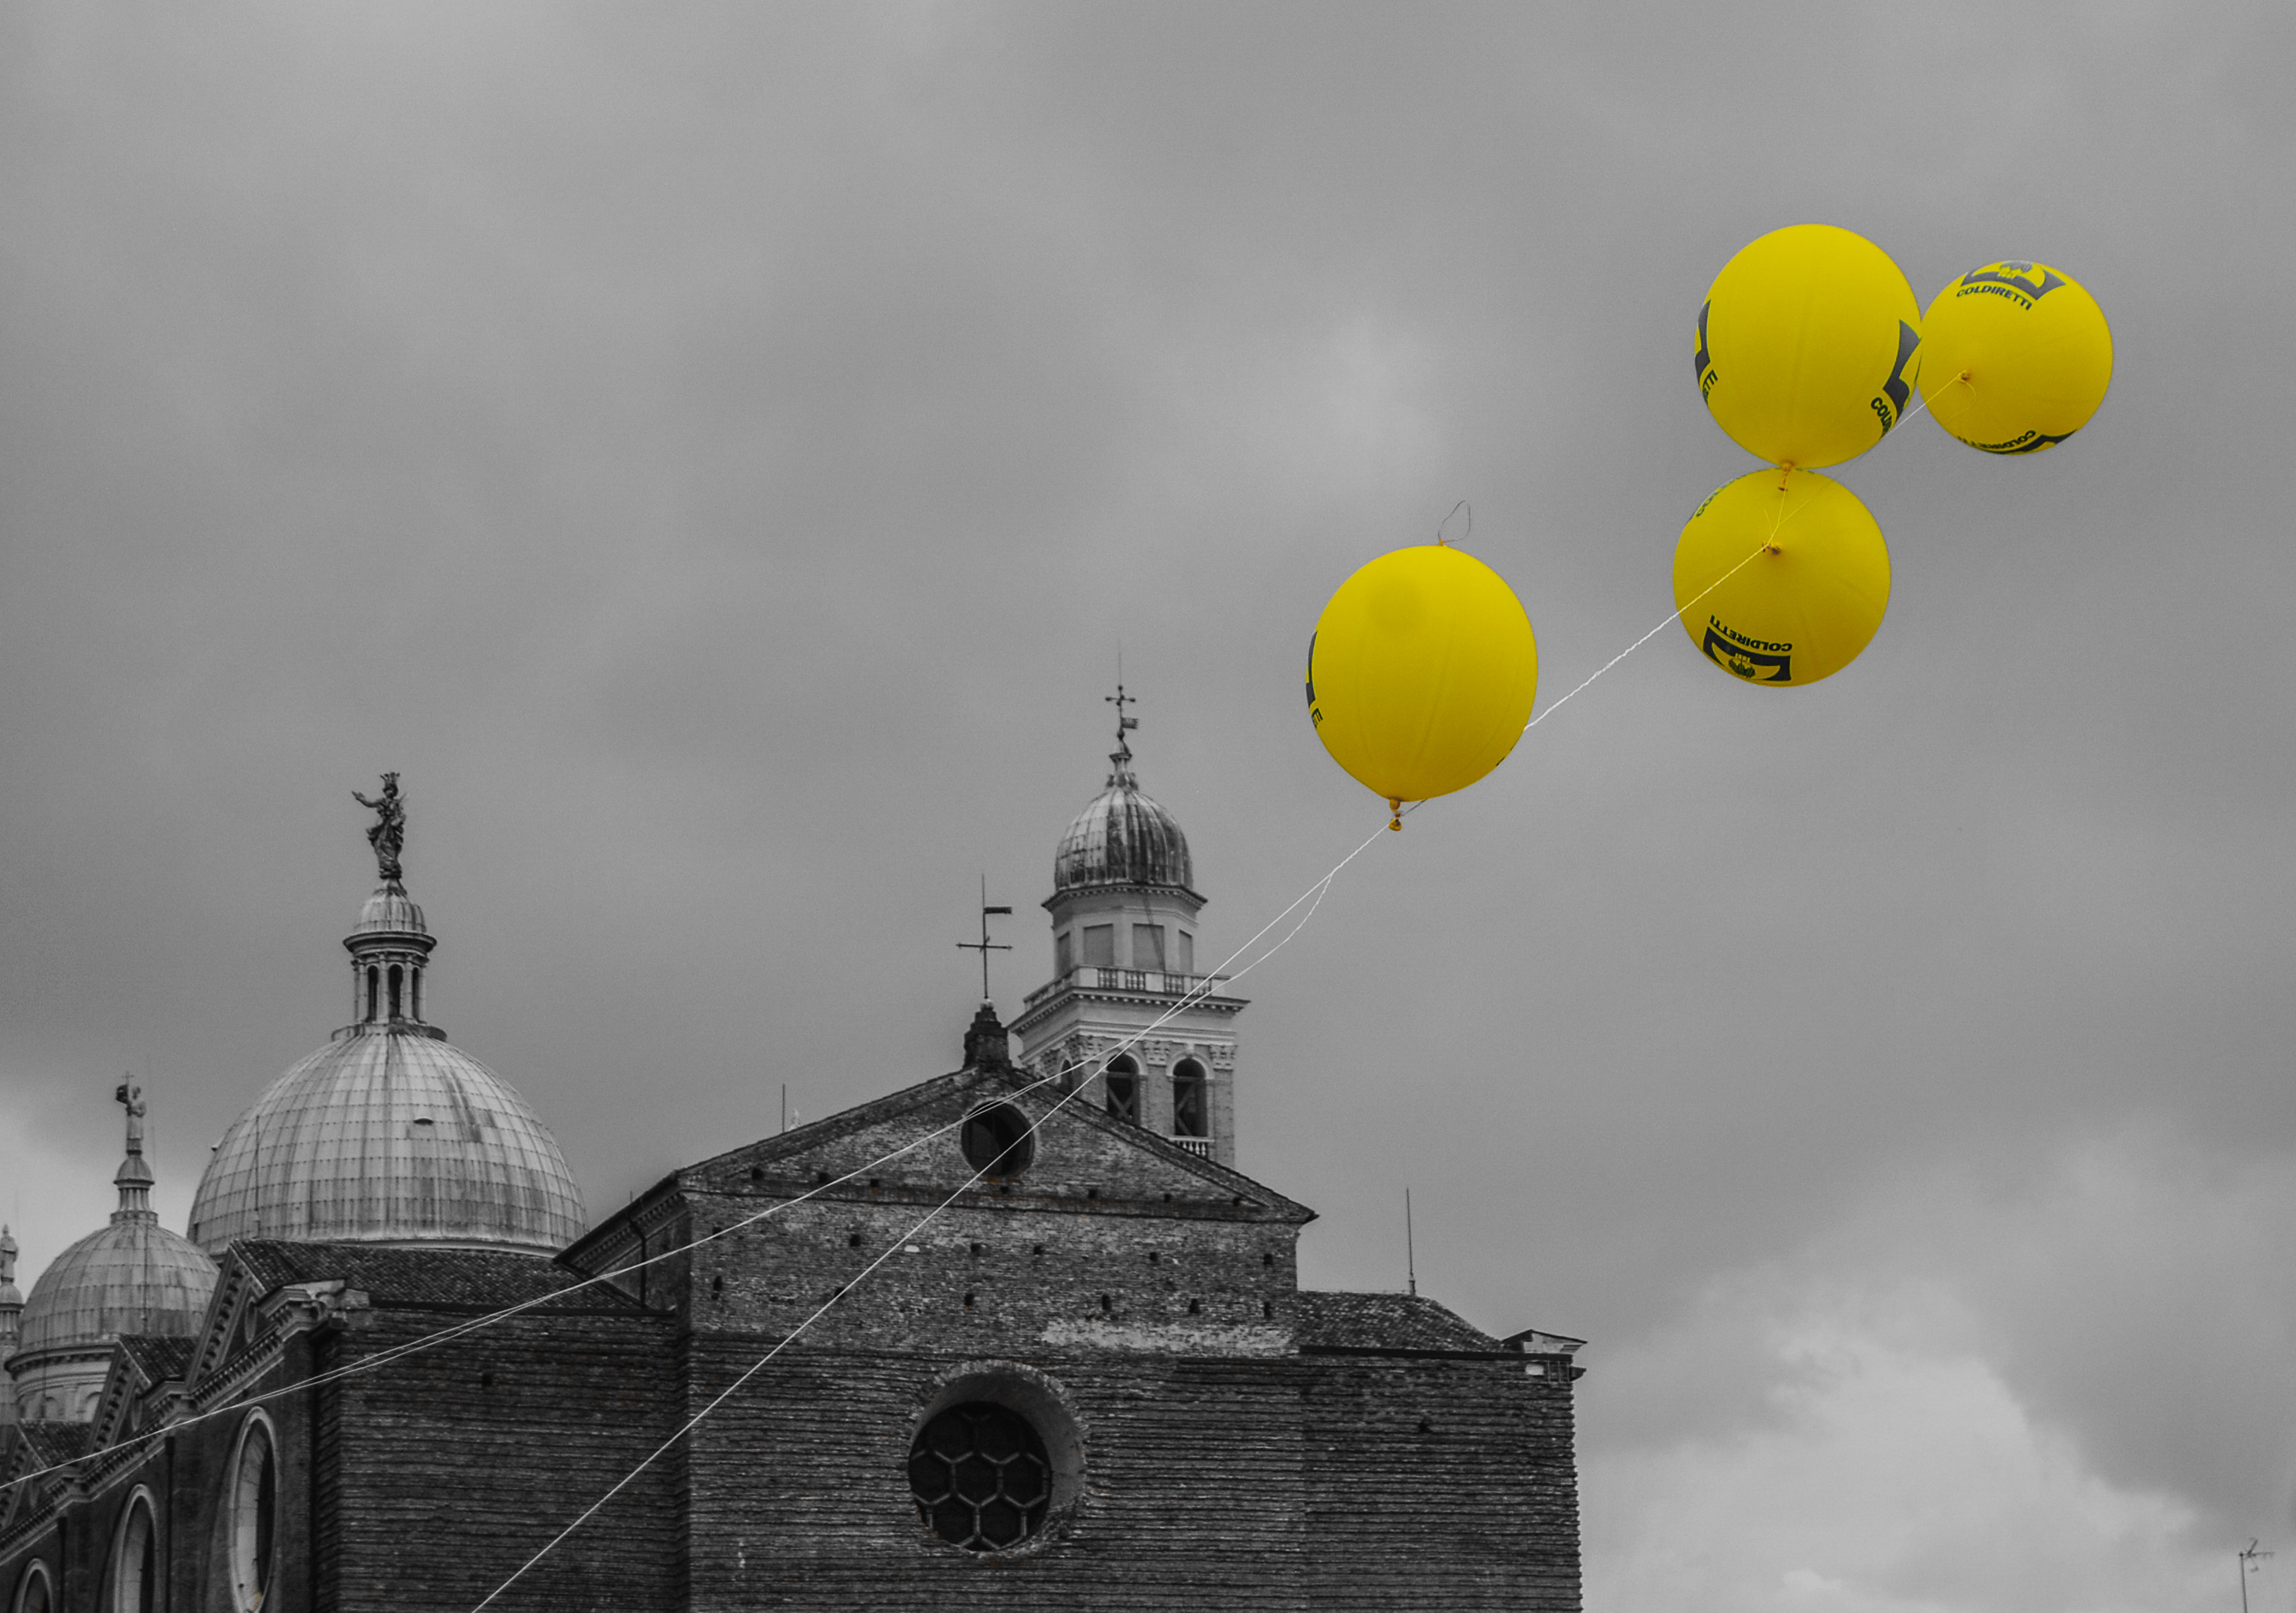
(984, 946)
(1122, 755)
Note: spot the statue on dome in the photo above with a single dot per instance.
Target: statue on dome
(388, 833)
(130, 1096)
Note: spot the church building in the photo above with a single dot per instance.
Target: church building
(1019, 1336)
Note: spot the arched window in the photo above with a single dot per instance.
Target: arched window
(134, 1559)
(254, 1516)
(1123, 1083)
(398, 983)
(1192, 1108)
(414, 992)
(374, 990)
(34, 1592)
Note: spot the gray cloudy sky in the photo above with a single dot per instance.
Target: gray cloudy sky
(715, 453)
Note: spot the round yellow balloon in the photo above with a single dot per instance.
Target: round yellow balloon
(1808, 346)
(1781, 578)
(2018, 357)
(1421, 673)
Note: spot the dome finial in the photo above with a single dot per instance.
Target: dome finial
(388, 833)
(1120, 758)
(134, 1179)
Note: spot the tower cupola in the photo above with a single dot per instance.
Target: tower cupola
(391, 945)
(1126, 1009)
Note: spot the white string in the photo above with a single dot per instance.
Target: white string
(448, 1335)
(1194, 995)
(1317, 891)
(383, 1358)
(1655, 631)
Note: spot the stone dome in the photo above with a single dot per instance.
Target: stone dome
(390, 911)
(1123, 837)
(134, 1276)
(389, 1134)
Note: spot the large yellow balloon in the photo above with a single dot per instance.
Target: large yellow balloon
(1808, 346)
(1421, 673)
(2018, 357)
(1810, 595)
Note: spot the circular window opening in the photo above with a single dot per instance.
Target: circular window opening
(254, 1513)
(997, 1141)
(981, 1477)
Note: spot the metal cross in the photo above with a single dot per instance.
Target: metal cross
(1119, 700)
(984, 946)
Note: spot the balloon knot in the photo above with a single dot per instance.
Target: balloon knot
(1395, 806)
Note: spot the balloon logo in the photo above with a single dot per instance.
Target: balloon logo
(1781, 578)
(1808, 346)
(1421, 674)
(2019, 357)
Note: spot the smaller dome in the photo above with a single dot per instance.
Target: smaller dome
(134, 1276)
(390, 911)
(1122, 837)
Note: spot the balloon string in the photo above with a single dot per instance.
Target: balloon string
(1644, 639)
(1925, 398)
(448, 1335)
(1660, 628)
(1313, 895)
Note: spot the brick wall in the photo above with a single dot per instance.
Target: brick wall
(460, 1463)
(801, 1498)
(1440, 1485)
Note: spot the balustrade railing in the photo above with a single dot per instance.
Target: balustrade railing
(1159, 983)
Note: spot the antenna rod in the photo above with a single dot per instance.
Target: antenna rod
(785, 1105)
(1410, 1254)
(2249, 1558)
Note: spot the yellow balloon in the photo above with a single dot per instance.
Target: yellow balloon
(1421, 673)
(1808, 346)
(1781, 578)
(2018, 357)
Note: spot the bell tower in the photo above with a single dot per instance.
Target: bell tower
(1124, 955)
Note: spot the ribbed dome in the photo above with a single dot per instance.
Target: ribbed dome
(390, 1136)
(391, 912)
(1123, 838)
(135, 1276)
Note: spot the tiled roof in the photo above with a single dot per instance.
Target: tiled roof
(161, 1359)
(1384, 1322)
(480, 1279)
(53, 1442)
